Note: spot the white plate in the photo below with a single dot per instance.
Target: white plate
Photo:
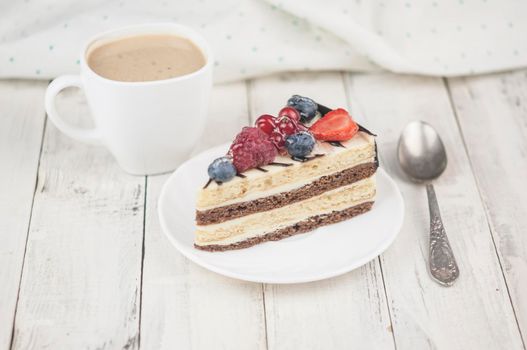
(325, 252)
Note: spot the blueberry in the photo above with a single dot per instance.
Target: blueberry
(222, 169)
(300, 145)
(305, 106)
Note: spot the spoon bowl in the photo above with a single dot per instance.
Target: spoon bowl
(421, 152)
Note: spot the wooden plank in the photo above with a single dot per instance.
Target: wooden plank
(341, 313)
(492, 113)
(21, 126)
(184, 305)
(81, 279)
(476, 312)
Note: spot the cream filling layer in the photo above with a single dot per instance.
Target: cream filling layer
(258, 224)
(360, 149)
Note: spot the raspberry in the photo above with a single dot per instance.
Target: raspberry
(251, 148)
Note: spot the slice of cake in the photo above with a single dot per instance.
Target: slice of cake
(308, 167)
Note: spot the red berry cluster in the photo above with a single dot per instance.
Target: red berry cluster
(277, 129)
(257, 146)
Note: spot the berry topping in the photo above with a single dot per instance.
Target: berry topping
(222, 169)
(290, 113)
(336, 125)
(286, 126)
(266, 123)
(305, 106)
(300, 145)
(278, 140)
(251, 148)
(277, 129)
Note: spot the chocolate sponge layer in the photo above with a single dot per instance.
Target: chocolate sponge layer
(300, 227)
(315, 188)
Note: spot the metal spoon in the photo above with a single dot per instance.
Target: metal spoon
(423, 158)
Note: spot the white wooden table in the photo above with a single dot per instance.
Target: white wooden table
(84, 264)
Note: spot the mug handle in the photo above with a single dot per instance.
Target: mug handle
(86, 135)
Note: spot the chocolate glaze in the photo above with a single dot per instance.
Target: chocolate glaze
(280, 164)
(207, 184)
(376, 159)
(336, 144)
(323, 109)
(306, 159)
(363, 129)
(219, 183)
(299, 159)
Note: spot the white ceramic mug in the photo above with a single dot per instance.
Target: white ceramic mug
(149, 127)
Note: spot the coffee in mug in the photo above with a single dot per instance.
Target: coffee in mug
(145, 58)
(143, 84)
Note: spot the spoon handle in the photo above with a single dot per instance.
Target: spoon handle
(443, 266)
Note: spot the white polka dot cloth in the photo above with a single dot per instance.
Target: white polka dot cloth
(42, 38)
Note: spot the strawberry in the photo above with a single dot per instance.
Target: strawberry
(336, 125)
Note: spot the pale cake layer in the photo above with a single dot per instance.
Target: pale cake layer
(259, 224)
(359, 150)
